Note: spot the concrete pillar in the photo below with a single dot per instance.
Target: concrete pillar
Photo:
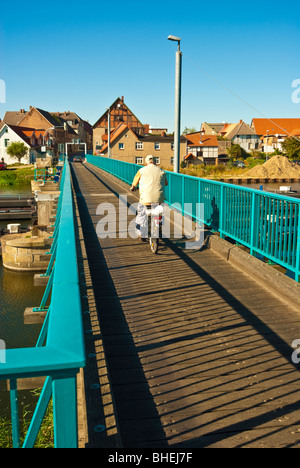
(45, 203)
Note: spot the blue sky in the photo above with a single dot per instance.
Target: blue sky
(81, 56)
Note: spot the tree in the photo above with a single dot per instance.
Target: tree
(188, 130)
(237, 152)
(291, 147)
(17, 150)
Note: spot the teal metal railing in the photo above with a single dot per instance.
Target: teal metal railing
(44, 174)
(59, 352)
(266, 223)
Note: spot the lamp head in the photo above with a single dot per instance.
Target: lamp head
(174, 38)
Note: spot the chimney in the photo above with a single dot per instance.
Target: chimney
(122, 98)
(30, 107)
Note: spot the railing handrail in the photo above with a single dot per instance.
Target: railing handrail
(265, 222)
(62, 352)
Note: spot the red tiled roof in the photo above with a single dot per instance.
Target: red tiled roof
(190, 156)
(115, 134)
(207, 140)
(274, 126)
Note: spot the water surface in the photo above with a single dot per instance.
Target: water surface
(16, 293)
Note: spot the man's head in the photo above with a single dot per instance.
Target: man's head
(149, 159)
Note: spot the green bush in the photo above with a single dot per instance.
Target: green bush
(8, 178)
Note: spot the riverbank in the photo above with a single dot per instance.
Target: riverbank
(16, 176)
(278, 168)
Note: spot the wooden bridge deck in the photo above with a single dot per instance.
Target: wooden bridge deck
(190, 352)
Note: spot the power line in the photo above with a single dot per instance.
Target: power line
(239, 98)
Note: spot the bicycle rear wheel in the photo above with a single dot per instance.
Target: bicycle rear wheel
(154, 244)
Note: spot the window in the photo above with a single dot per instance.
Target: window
(139, 145)
(157, 161)
(172, 160)
(121, 146)
(6, 143)
(138, 160)
(172, 146)
(156, 146)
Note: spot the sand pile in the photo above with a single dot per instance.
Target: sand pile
(278, 167)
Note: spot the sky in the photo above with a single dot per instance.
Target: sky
(239, 59)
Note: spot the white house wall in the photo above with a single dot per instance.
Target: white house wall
(7, 133)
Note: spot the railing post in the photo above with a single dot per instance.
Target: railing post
(39, 414)
(297, 272)
(14, 407)
(222, 213)
(183, 195)
(252, 222)
(65, 411)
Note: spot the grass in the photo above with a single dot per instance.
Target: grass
(16, 175)
(219, 172)
(45, 438)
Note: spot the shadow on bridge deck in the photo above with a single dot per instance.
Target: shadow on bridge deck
(189, 351)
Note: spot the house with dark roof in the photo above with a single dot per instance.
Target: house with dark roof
(39, 119)
(80, 126)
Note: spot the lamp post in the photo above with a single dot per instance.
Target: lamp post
(108, 133)
(177, 103)
(267, 157)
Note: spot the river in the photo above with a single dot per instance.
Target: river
(274, 186)
(16, 293)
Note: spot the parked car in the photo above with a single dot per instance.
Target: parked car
(3, 166)
(78, 159)
(239, 164)
(296, 161)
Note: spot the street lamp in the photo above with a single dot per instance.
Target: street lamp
(267, 146)
(108, 133)
(177, 103)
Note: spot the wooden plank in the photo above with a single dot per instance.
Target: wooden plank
(198, 352)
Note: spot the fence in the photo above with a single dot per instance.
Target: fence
(266, 223)
(59, 352)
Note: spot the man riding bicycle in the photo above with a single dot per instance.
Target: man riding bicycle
(152, 182)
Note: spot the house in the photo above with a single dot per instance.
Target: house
(201, 148)
(273, 132)
(127, 146)
(81, 127)
(212, 128)
(241, 134)
(155, 131)
(118, 113)
(31, 138)
(14, 117)
(39, 119)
